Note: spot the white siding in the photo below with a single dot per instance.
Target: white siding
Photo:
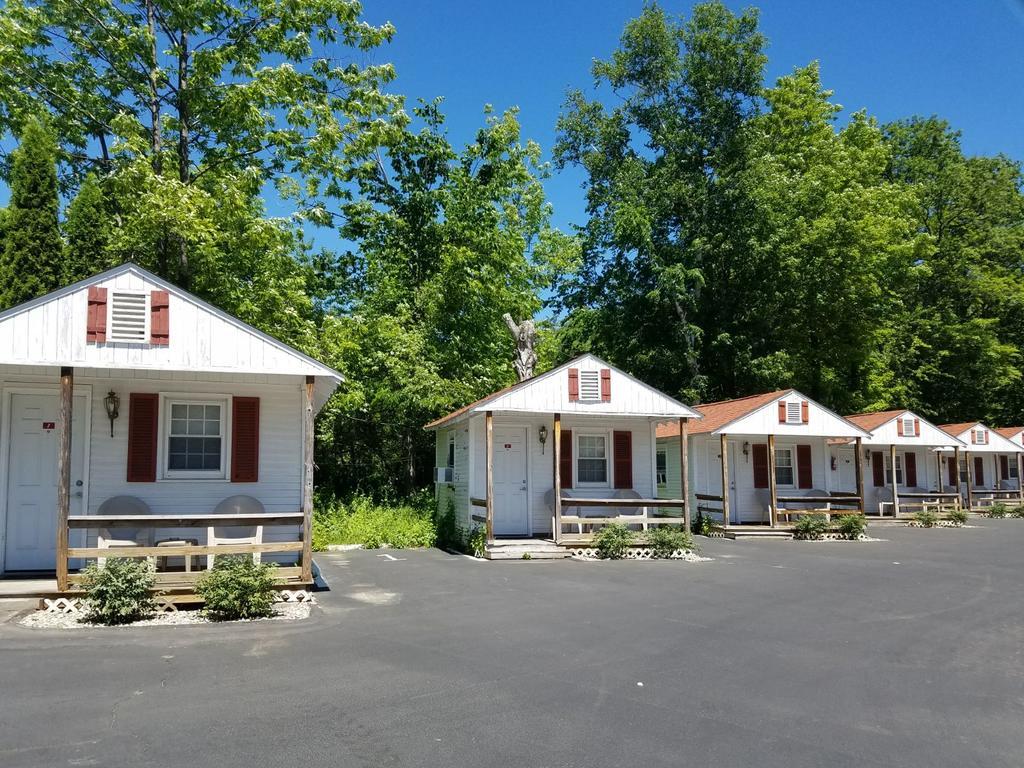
(888, 434)
(765, 421)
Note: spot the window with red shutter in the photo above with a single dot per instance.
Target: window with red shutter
(899, 426)
(574, 384)
(917, 427)
(803, 466)
(159, 318)
(760, 453)
(143, 415)
(96, 316)
(606, 387)
(245, 439)
(979, 472)
(565, 462)
(910, 470)
(782, 411)
(805, 412)
(1004, 468)
(622, 454)
(877, 469)
(951, 471)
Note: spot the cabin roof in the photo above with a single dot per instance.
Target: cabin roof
(872, 421)
(723, 412)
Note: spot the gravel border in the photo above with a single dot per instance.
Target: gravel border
(44, 620)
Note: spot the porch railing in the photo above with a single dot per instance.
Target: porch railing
(711, 506)
(301, 573)
(643, 519)
(910, 503)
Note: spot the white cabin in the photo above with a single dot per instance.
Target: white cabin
(989, 465)
(779, 460)
(584, 430)
(175, 407)
(905, 465)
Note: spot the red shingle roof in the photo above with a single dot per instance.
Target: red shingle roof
(872, 421)
(958, 429)
(718, 414)
(1010, 432)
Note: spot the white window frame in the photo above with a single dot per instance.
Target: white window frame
(607, 460)
(661, 472)
(900, 477)
(450, 457)
(1011, 467)
(167, 399)
(794, 407)
(978, 436)
(791, 450)
(593, 379)
(147, 318)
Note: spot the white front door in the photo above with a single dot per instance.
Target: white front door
(31, 538)
(511, 510)
(715, 479)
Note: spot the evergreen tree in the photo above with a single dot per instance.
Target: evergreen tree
(31, 259)
(87, 232)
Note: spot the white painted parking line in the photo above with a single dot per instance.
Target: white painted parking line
(392, 558)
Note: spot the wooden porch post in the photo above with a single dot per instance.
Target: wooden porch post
(556, 523)
(307, 479)
(67, 387)
(725, 479)
(956, 474)
(858, 466)
(489, 473)
(895, 488)
(1020, 478)
(970, 481)
(773, 488)
(684, 470)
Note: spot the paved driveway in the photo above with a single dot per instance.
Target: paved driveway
(898, 653)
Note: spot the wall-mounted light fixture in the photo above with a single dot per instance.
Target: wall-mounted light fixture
(746, 451)
(112, 403)
(542, 435)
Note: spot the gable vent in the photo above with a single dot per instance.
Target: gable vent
(129, 315)
(590, 385)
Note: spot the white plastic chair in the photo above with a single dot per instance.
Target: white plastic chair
(123, 538)
(236, 534)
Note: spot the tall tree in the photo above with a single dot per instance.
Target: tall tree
(87, 228)
(30, 264)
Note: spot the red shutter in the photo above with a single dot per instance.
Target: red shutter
(565, 465)
(159, 318)
(910, 470)
(899, 426)
(1004, 468)
(877, 469)
(622, 452)
(979, 471)
(96, 317)
(245, 439)
(803, 466)
(951, 471)
(606, 387)
(143, 411)
(917, 427)
(760, 465)
(574, 384)
(805, 412)
(782, 411)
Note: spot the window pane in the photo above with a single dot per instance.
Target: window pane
(591, 447)
(592, 471)
(213, 412)
(178, 426)
(195, 411)
(179, 411)
(784, 475)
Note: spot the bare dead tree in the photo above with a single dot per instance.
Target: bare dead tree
(525, 335)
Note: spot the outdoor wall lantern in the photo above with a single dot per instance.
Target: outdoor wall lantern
(746, 451)
(542, 435)
(112, 403)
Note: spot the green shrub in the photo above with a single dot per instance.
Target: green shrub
(1017, 511)
(613, 540)
(852, 526)
(238, 588)
(998, 510)
(926, 518)
(362, 521)
(810, 527)
(476, 542)
(664, 540)
(958, 516)
(448, 533)
(120, 592)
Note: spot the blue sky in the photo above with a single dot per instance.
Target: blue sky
(960, 59)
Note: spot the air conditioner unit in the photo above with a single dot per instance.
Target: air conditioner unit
(443, 475)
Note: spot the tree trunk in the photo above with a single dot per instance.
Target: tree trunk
(184, 174)
(154, 84)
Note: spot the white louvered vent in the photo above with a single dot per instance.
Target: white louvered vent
(793, 412)
(590, 385)
(129, 317)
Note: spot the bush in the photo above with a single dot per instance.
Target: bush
(926, 518)
(665, 540)
(362, 521)
(998, 510)
(1017, 511)
(810, 527)
(238, 588)
(852, 526)
(120, 592)
(476, 542)
(448, 533)
(958, 516)
(612, 541)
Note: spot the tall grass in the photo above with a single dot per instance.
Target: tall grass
(360, 520)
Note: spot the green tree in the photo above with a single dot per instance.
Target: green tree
(31, 259)
(87, 228)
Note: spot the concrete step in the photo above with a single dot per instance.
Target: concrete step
(754, 534)
(516, 550)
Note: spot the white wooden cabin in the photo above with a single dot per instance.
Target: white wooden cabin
(556, 456)
(904, 464)
(986, 465)
(778, 461)
(124, 387)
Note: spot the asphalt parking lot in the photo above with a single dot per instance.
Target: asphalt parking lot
(905, 652)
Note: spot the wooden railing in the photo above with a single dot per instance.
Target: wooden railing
(297, 574)
(587, 526)
(912, 502)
